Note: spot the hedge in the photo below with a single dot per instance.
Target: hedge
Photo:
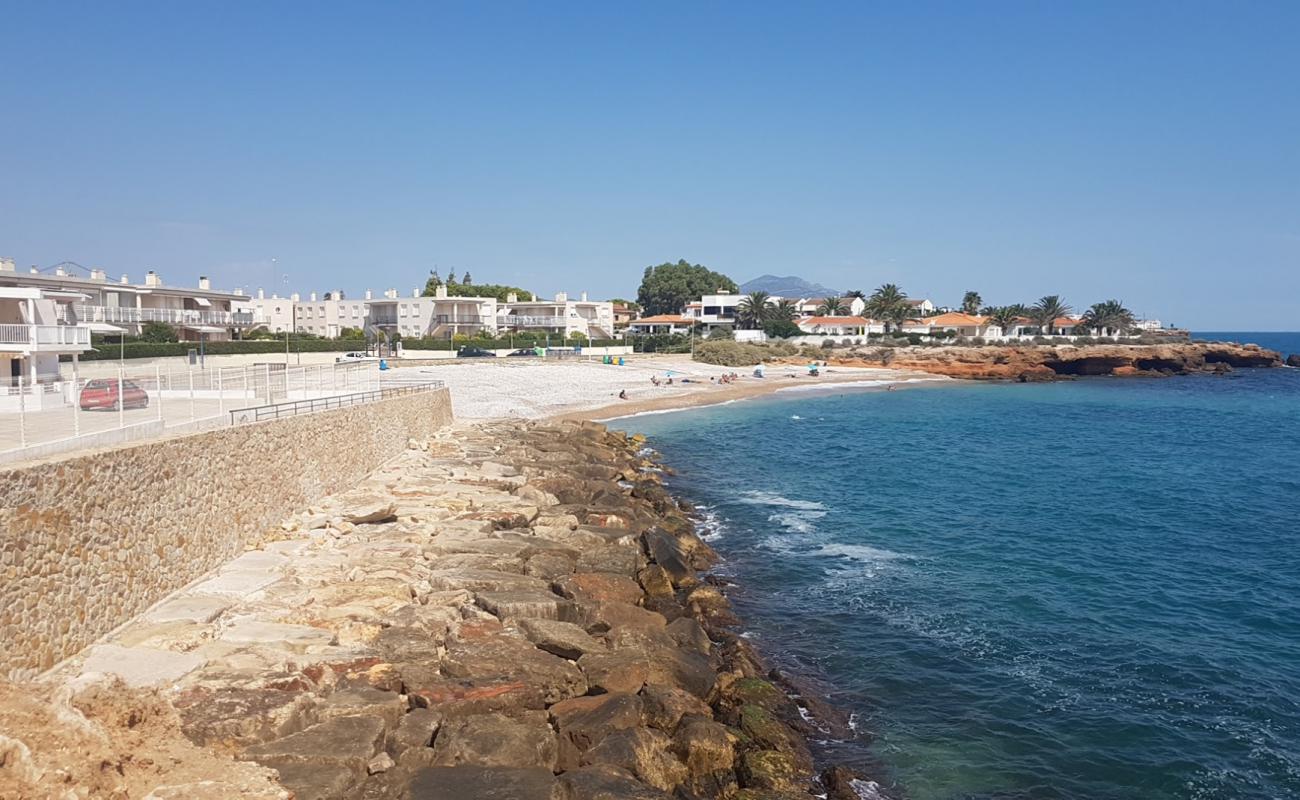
(106, 351)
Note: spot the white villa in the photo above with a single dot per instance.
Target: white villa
(661, 323)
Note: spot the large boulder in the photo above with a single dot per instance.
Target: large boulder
(495, 740)
(706, 749)
(345, 743)
(470, 782)
(563, 639)
(607, 782)
(644, 752)
(599, 587)
(583, 722)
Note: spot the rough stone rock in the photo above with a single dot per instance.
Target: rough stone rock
(563, 639)
(549, 566)
(496, 740)
(611, 558)
(687, 669)
(371, 511)
(668, 553)
(518, 605)
(607, 782)
(706, 749)
(485, 580)
(295, 638)
(346, 742)
(228, 718)
(665, 706)
(773, 770)
(643, 752)
(656, 581)
(1293, 360)
(469, 782)
(380, 763)
(599, 587)
(189, 608)
(583, 722)
(615, 672)
(310, 781)
(495, 673)
(688, 633)
(417, 728)
(601, 617)
(388, 706)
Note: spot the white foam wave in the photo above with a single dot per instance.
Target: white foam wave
(798, 520)
(860, 552)
(774, 499)
(866, 790)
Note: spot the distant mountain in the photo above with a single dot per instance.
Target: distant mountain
(789, 286)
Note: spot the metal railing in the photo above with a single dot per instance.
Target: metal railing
(293, 408)
(45, 335)
(173, 316)
(461, 319)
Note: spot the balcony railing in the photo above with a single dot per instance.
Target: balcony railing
(461, 319)
(171, 316)
(46, 337)
(520, 321)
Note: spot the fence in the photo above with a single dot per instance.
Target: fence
(293, 408)
(80, 411)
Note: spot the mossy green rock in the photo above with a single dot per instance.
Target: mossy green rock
(771, 769)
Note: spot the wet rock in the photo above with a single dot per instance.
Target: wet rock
(563, 639)
(469, 782)
(495, 740)
(772, 770)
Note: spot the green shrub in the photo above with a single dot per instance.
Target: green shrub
(730, 353)
(781, 329)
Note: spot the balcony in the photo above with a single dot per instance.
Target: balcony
(461, 319)
(521, 321)
(172, 316)
(45, 338)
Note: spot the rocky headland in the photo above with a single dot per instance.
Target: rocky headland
(1038, 363)
(508, 610)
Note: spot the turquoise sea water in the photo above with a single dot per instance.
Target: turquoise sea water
(1087, 589)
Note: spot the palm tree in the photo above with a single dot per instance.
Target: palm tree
(831, 307)
(855, 294)
(753, 310)
(1002, 316)
(784, 310)
(888, 303)
(1108, 316)
(1046, 310)
(970, 302)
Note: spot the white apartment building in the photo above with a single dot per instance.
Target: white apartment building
(121, 306)
(36, 327)
(560, 316)
(439, 316)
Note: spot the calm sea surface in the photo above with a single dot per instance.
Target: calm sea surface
(1087, 589)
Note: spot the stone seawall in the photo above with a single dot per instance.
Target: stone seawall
(89, 541)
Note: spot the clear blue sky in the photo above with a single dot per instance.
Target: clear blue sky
(1144, 151)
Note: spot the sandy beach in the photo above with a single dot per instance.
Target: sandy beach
(506, 389)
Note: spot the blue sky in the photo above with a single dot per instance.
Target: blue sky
(1144, 151)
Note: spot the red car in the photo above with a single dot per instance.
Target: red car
(102, 393)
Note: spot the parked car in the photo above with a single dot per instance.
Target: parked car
(102, 393)
(474, 352)
(355, 356)
(523, 351)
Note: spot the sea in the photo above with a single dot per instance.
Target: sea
(1085, 589)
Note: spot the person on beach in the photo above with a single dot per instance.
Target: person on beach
(654, 379)
(622, 394)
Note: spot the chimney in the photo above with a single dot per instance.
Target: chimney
(125, 279)
(204, 283)
(34, 270)
(294, 297)
(561, 297)
(60, 272)
(98, 275)
(415, 293)
(239, 290)
(391, 294)
(369, 295)
(441, 291)
(151, 279)
(584, 297)
(313, 297)
(7, 265)
(261, 293)
(512, 298)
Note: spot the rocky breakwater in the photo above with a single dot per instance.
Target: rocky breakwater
(1050, 362)
(506, 611)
